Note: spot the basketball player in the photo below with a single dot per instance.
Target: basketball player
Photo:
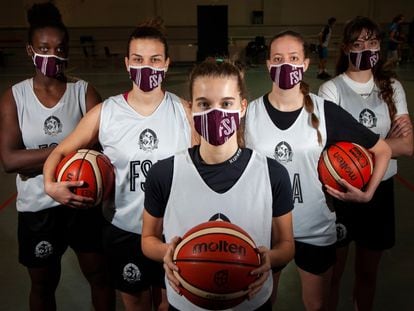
(135, 130)
(377, 100)
(293, 126)
(36, 115)
(213, 181)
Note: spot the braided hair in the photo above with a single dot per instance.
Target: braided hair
(304, 87)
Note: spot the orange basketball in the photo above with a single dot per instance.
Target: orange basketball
(91, 166)
(348, 161)
(215, 259)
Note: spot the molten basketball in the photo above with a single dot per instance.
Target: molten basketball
(348, 161)
(91, 166)
(215, 259)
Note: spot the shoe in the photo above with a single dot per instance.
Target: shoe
(323, 75)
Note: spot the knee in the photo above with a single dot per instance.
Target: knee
(314, 305)
(45, 288)
(163, 306)
(97, 277)
(44, 281)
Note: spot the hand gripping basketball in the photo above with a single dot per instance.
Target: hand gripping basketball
(92, 167)
(347, 161)
(215, 260)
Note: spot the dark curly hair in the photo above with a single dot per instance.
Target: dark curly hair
(383, 75)
(42, 15)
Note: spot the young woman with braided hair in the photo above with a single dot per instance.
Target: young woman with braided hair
(373, 96)
(293, 126)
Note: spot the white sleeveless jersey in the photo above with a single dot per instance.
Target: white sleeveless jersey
(42, 127)
(297, 148)
(134, 143)
(372, 112)
(192, 202)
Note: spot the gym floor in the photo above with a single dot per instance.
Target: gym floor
(395, 287)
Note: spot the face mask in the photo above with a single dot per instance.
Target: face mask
(286, 75)
(49, 65)
(364, 60)
(146, 78)
(216, 125)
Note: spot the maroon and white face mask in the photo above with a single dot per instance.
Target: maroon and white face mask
(364, 60)
(146, 78)
(49, 65)
(286, 75)
(216, 126)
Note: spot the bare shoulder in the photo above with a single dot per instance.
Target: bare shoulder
(7, 100)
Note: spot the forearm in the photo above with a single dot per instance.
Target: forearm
(281, 253)
(400, 146)
(50, 165)
(154, 248)
(382, 155)
(283, 243)
(27, 162)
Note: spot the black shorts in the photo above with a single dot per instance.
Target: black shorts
(371, 225)
(314, 259)
(322, 52)
(130, 270)
(45, 235)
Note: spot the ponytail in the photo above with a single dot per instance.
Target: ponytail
(309, 107)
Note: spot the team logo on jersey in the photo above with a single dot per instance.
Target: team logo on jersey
(52, 126)
(148, 140)
(219, 217)
(131, 273)
(341, 232)
(43, 249)
(367, 118)
(283, 152)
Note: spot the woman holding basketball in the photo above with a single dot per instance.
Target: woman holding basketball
(35, 116)
(216, 179)
(376, 99)
(135, 130)
(293, 126)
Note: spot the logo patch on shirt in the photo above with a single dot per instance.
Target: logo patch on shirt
(367, 118)
(43, 249)
(131, 273)
(52, 126)
(148, 140)
(283, 152)
(219, 216)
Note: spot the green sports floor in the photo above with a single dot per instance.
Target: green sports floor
(395, 290)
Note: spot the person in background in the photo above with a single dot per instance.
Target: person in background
(324, 37)
(213, 181)
(293, 126)
(395, 39)
(135, 129)
(36, 114)
(377, 100)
